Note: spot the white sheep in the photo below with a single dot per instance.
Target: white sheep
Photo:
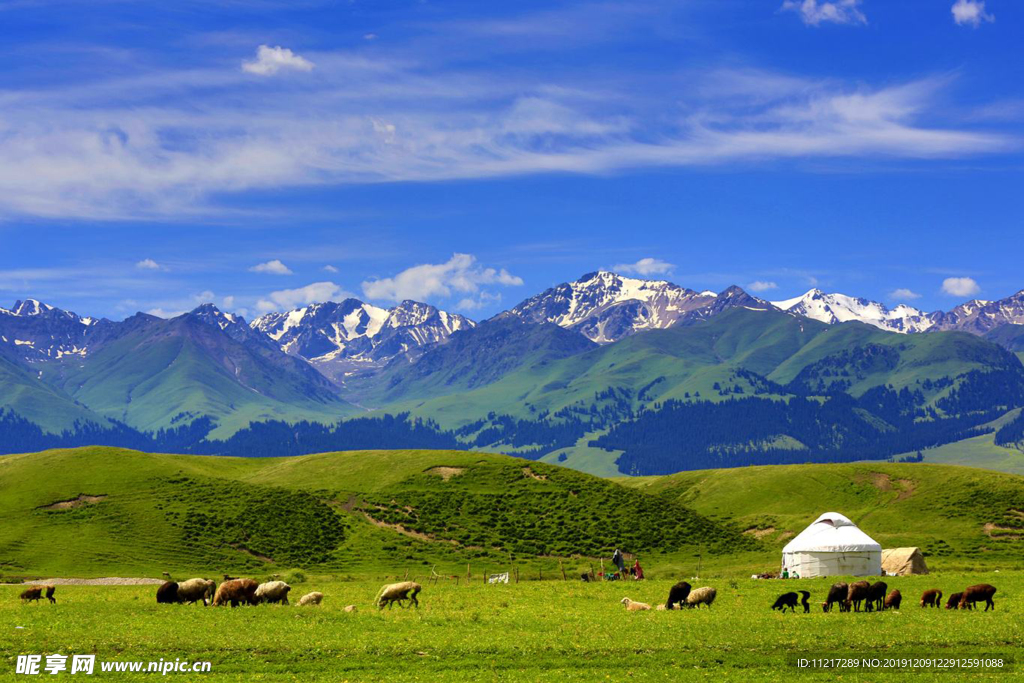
(273, 591)
(701, 596)
(397, 592)
(313, 598)
(351, 608)
(634, 606)
(195, 590)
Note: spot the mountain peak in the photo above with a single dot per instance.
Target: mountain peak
(834, 308)
(30, 307)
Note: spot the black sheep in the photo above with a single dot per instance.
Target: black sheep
(836, 594)
(790, 600)
(167, 593)
(677, 595)
(876, 596)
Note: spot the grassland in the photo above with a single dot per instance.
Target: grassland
(533, 631)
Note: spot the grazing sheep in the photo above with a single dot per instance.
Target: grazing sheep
(790, 600)
(351, 608)
(893, 600)
(677, 595)
(701, 596)
(273, 592)
(931, 598)
(313, 598)
(49, 594)
(836, 595)
(398, 592)
(977, 593)
(30, 594)
(634, 606)
(876, 596)
(954, 601)
(194, 590)
(858, 593)
(167, 593)
(235, 592)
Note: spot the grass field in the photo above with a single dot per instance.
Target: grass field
(533, 631)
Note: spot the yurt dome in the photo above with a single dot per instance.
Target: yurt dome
(832, 546)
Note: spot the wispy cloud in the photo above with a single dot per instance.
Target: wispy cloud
(148, 264)
(272, 60)
(645, 266)
(286, 299)
(903, 294)
(274, 267)
(461, 274)
(970, 13)
(762, 286)
(960, 286)
(815, 13)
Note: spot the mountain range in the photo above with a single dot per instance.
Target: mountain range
(568, 375)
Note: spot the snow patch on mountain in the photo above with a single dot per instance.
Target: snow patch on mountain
(840, 308)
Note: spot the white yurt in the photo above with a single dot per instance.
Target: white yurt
(832, 546)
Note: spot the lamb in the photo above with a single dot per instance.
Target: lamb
(398, 592)
(634, 606)
(273, 592)
(194, 590)
(954, 601)
(790, 600)
(49, 594)
(836, 595)
(701, 596)
(677, 595)
(313, 598)
(167, 593)
(893, 600)
(351, 608)
(858, 593)
(30, 594)
(977, 593)
(931, 598)
(876, 596)
(235, 592)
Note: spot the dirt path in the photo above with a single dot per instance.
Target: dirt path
(105, 581)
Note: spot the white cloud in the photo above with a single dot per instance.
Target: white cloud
(903, 294)
(762, 286)
(970, 12)
(271, 60)
(369, 36)
(484, 298)
(330, 269)
(165, 314)
(645, 266)
(459, 274)
(814, 13)
(286, 299)
(148, 264)
(274, 267)
(229, 302)
(960, 286)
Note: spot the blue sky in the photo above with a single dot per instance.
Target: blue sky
(263, 154)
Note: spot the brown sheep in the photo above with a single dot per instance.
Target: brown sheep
(49, 594)
(167, 593)
(858, 593)
(836, 595)
(893, 600)
(931, 598)
(977, 593)
(677, 595)
(876, 597)
(954, 601)
(235, 592)
(30, 594)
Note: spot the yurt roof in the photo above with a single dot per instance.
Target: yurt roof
(831, 533)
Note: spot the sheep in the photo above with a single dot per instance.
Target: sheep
(49, 594)
(313, 598)
(677, 595)
(194, 590)
(235, 592)
(790, 600)
(351, 608)
(273, 592)
(931, 598)
(634, 606)
(398, 592)
(661, 608)
(167, 593)
(836, 595)
(701, 596)
(32, 594)
(857, 593)
(977, 593)
(876, 596)
(893, 600)
(954, 601)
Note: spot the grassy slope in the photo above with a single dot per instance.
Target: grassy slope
(50, 408)
(940, 508)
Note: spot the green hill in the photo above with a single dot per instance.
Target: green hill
(97, 511)
(961, 517)
(38, 402)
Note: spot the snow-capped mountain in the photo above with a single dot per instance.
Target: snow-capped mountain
(338, 337)
(34, 331)
(981, 317)
(606, 307)
(839, 308)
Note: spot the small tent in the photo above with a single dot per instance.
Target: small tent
(832, 546)
(903, 561)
